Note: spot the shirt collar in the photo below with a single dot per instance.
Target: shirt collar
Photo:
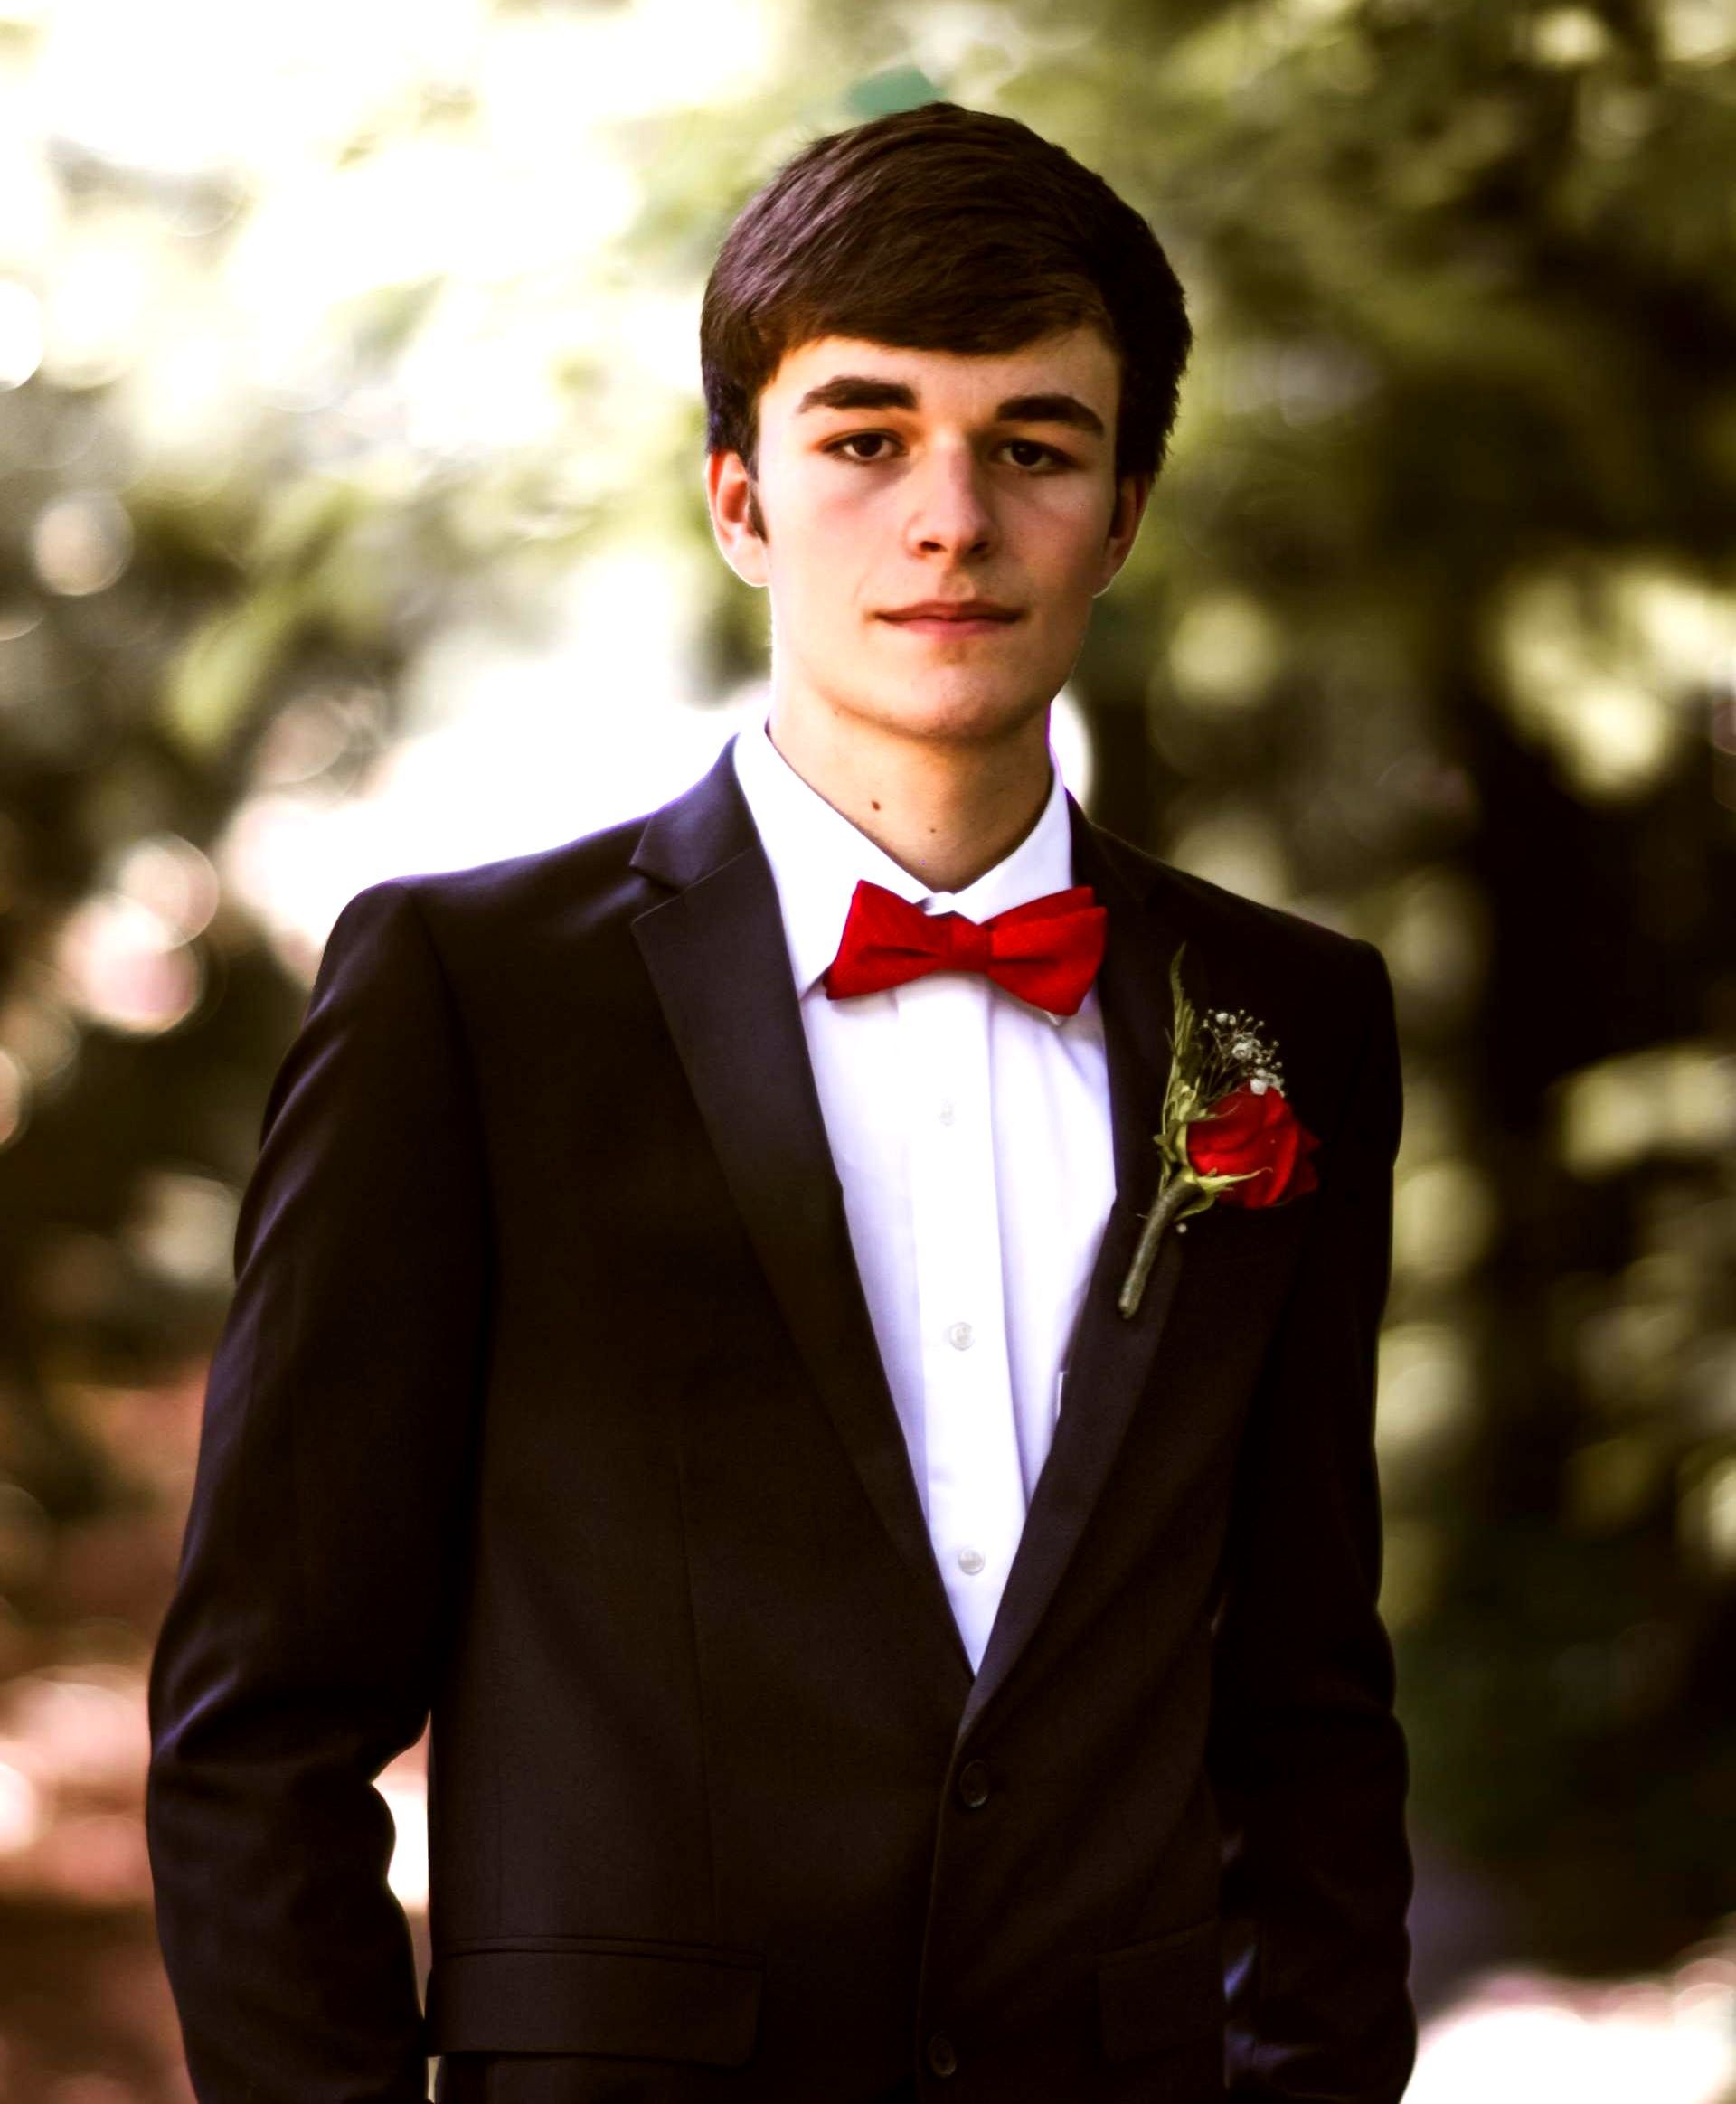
(817, 856)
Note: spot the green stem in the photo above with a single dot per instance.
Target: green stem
(1170, 1201)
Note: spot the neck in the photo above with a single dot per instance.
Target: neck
(946, 811)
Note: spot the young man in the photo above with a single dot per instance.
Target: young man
(654, 1298)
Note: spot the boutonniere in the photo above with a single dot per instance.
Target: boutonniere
(1228, 1133)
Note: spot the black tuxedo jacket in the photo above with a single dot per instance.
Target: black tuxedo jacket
(548, 1404)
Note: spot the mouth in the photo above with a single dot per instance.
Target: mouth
(951, 625)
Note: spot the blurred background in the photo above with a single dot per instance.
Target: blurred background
(351, 523)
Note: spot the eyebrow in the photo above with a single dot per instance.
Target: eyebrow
(859, 391)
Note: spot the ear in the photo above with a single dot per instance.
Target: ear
(1132, 494)
(736, 522)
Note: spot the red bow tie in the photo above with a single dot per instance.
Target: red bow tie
(1046, 952)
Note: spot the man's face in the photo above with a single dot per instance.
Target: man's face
(892, 477)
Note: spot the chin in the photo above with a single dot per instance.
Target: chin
(968, 711)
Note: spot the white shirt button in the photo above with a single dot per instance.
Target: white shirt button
(959, 1336)
(947, 1110)
(970, 1560)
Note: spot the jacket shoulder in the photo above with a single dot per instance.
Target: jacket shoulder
(1227, 923)
(1324, 996)
(562, 889)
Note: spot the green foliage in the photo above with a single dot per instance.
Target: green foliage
(1429, 635)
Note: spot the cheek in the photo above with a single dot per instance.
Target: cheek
(835, 500)
(830, 539)
(813, 545)
(1064, 535)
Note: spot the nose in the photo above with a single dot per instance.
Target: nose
(949, 512)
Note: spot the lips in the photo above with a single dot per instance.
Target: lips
(963, 612)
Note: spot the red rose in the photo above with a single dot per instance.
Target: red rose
(1253, 1129)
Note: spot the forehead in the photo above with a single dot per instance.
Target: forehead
(1079, 360)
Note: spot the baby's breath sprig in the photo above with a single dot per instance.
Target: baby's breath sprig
(1241, 1055)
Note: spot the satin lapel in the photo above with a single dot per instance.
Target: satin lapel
(718, 959)
(1112, 1355)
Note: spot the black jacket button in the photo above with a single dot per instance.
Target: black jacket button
(942, 2060)
(973, 1783)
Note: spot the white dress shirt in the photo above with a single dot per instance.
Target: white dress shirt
(971, 1134)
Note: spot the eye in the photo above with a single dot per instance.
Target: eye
(1049, 452)
(856, 438)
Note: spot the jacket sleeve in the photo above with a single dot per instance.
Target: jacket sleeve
(299, 1648)
(1307, 1757)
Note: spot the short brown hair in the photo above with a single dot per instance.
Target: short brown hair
(940, 228)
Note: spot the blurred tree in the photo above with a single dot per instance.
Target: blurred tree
(1431, 634)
